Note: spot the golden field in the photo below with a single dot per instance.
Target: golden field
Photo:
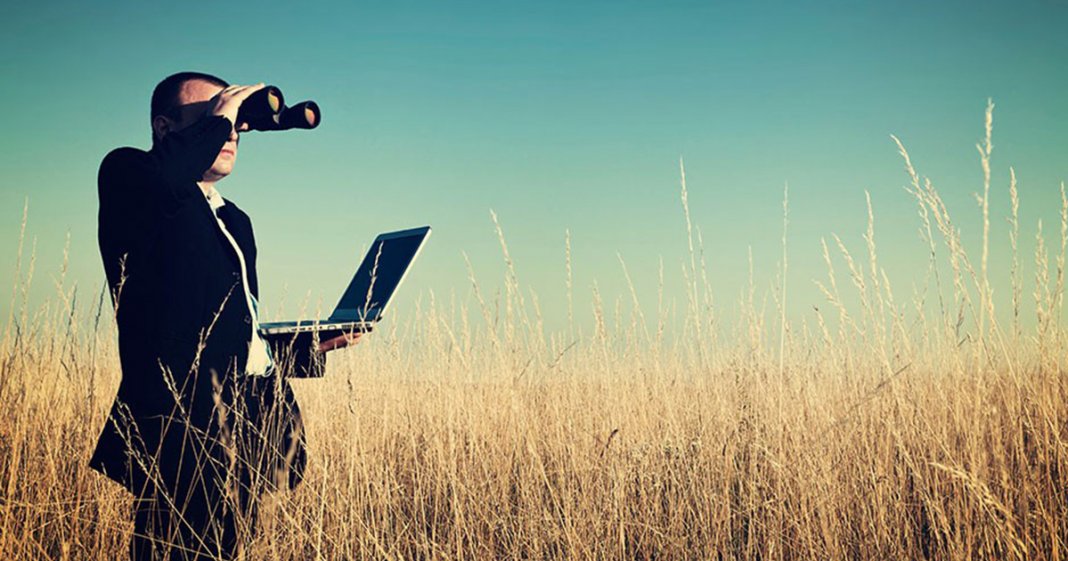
(882, 429)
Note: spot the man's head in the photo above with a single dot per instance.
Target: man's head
(180, 100)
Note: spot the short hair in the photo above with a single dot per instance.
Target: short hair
(165, 96)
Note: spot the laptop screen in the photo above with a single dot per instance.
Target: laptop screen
(381, 272)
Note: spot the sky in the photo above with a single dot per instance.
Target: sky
(559, 117)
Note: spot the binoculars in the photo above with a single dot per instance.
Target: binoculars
(266, 110)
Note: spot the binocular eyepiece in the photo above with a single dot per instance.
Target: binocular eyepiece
(266, 110)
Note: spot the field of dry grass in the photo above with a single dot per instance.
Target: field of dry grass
(882, 430)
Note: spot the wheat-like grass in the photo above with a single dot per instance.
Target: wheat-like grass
(891, 430)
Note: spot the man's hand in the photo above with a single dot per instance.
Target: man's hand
(228, 102)
(339, 342)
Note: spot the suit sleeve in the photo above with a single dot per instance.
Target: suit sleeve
(184, 155)
(165, 177)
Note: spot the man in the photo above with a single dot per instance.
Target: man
(203, 422)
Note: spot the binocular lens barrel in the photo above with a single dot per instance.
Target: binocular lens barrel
(266, 110)
(304, 115)
(260, 109)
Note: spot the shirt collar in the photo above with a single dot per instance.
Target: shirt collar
(215, 200)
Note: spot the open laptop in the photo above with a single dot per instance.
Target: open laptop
(368, 295)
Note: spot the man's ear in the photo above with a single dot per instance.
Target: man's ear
(161, 126)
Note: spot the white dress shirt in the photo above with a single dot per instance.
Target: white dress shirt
(259, 355)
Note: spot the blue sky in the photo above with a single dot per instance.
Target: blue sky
(557, 115)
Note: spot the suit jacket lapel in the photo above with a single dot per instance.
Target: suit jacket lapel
(237, 228)
(241, 230)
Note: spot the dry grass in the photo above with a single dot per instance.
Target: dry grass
(887, 430)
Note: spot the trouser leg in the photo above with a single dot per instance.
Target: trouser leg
(143, 540)
(194, 527)
(215, 481)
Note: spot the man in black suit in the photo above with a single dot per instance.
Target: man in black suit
(204, 421)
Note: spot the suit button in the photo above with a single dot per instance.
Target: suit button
(237, 275)
(248, 319)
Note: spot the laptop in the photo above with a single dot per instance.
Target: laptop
(369, 293)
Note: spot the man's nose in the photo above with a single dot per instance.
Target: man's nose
(233, 134)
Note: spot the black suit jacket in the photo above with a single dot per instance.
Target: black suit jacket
(184, 326)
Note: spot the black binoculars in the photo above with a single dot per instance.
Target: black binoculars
(266, 110)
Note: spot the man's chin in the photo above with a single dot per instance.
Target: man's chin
(220, 170)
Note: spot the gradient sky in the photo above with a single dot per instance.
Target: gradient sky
(557, 115)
